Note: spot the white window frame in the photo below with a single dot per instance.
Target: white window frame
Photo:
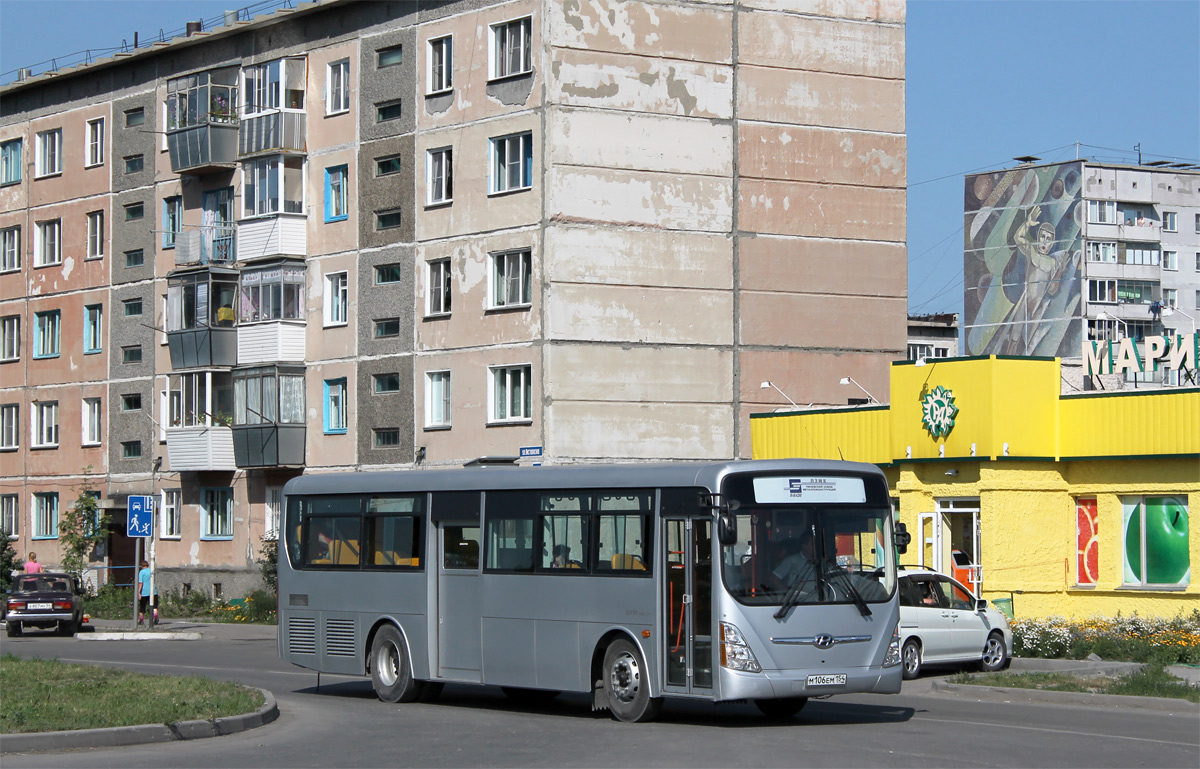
(440, 73)
(10, 515)
(272, 512)
(44, 425)
(1170, 221)
(10, 337)
(265, 86)
(1102, 211)
(501, 383)
(216, 523)
(502, 167)
(438, 399)
(47, 246)
(439, 176)
(337, 293)
(10, 249)
(1103, 291)
(10, 426)
(337, 87)
(95, 235)
(1170, 260)
(95, 143)
(91, 421)
(1103, 251)
(1170, 297)
(265, 186)
(503, 59)
(440, 282)
(49, 153)
(171, 503)
(44, 515)
(503, 283)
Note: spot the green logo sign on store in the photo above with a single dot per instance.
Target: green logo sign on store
(938, 412)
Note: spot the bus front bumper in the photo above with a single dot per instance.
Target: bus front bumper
(772, 684)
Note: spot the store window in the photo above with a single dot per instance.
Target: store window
(1154, 541)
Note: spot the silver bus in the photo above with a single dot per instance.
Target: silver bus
(769, 581)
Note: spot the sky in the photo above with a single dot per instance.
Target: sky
(985, 82)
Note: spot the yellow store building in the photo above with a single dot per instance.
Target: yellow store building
(1072, 505)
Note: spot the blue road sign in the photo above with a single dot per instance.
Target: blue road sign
(140, 516)
(531, 451)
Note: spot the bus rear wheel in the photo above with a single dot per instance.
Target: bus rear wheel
(782, 707)
(627, 684)
(390, 673)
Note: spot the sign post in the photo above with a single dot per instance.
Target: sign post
(139, 523)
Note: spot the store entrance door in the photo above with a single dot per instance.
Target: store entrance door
(960, 552)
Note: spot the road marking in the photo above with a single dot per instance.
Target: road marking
(201, 667)
(993, 725)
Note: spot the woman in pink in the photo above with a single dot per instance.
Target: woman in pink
(32, 566)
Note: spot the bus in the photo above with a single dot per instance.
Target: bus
(632, 582)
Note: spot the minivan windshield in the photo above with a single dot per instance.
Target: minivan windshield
(803, 555)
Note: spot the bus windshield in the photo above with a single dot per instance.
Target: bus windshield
(810, 555)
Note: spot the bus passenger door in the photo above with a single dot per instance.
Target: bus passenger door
(688, 574)
(459, 601)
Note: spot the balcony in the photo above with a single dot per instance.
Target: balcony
(268, 445)
(284, 234)
(200, 448)
(1145, 230)
(206, 245)
(276, 341)
(203, 346)
(201, 121)
(201, 324)
(274, 132)
(203, 149)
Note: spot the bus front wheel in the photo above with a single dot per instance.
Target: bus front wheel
(390, 672)
(627, 684)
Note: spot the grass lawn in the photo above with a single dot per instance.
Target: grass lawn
(46, 696)
(1152, 681)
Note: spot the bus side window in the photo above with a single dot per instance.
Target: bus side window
(460, 544)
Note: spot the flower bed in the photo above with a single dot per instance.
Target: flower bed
(1132, 638)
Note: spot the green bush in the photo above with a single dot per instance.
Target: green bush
(1132, 638)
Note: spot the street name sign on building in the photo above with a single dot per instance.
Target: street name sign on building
(140, 516)
(530, 451)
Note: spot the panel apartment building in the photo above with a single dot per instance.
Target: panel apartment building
(360, 235)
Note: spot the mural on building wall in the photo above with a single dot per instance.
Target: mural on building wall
(1156, 541)
(1022, 253)
(1087, 546)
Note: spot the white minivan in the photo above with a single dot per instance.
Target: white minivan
(941, 622)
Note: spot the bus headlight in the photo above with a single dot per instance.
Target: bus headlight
(893, 653)
(735, 652)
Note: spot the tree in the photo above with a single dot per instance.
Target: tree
(268, 563)
(84, 526)
(8, 561)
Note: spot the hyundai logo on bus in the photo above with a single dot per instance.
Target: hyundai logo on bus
(824, 641)
(1179, 351)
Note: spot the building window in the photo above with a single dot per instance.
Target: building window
(391, 56)
(387, 273)
(216, 520)
(512, 163)
(1135, 291)
(510, 398)
(133, 307)
(338, 87)
(276, 293)
(1170, 222)
(1155, 550)
(1197, 305)
(131, 354)
(10, 337)
(1102, 211)
(47, 247)
(387, 437)
(9, 515)
(134, 211)
(510, 278)
(134, 258)
(135, 117)
(386, 220)
(45, 515)
(387, 327)
(134, 163)
(335, 194)
(437, 399)
(49, 153)
(95, 142)
(131, 449)
(278, 84)
(1170, 297)
(335, 406)
(336, 299)
(1170, 260)
(172, 220)
(131, 402)
(45, 424)
(273, 184)
(95, 235)
(10, 249)
(439, 287)
(388, 110)
(1141, 253)
(10, 162)
(10, 430)
(387, 383)
(91, 421)
(199, 399)
(1102, 252)
(511, 54)
(93, 328)
(46, 334)
(273, 512)
(441, 65)
(1102, 291)
(439, 175)
(171, 523)
(387, 166)
(268, 395)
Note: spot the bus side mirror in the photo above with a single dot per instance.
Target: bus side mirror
(902, 538)
(726, 529)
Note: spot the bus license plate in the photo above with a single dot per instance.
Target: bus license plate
(37, 606)
(836, 679)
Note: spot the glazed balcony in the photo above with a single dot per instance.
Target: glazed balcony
(268, 445)
(201, 324)
(200, 448)
(204, 149)
(201, 121)
(281, 131)
(268, 416)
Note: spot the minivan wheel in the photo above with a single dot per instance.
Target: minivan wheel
(911, 657)
(994, 654)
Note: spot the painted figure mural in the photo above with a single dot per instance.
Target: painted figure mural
(1022, 252)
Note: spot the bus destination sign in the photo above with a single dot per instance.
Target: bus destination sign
(809, 489)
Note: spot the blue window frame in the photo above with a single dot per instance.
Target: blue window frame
(46, 334)
(10, 162)
(93, 327)
(335, 193)
(216, 520)
(335, 406)
(172, 222)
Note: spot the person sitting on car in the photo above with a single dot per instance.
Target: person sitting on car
(31, 564)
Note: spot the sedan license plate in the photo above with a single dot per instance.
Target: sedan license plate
(835, 679)
(41, 606)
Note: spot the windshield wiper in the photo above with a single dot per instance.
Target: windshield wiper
(792, 596)
(855, 596)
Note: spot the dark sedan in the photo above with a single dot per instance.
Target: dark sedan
(48, 600)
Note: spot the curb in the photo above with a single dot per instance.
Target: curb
(142, 734)
(139, 636)
(1004, 694)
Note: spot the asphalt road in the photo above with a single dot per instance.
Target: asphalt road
(343, 725)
